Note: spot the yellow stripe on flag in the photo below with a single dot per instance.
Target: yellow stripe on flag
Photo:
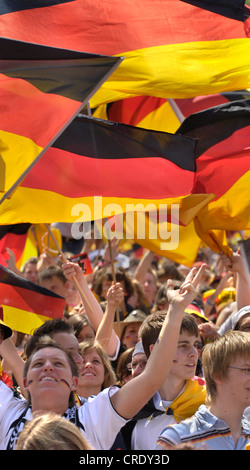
(36, 206)
(191, 69)
(22, 320)
(12, 149)
(230, 211)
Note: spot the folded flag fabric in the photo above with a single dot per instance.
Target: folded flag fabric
(223, 164)
(171, 49)
(41, 90)
(160, 114)
(26, 305)
(96, 165)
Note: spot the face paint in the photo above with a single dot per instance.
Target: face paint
(63, 381)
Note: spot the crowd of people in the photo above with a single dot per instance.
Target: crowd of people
(151, 356)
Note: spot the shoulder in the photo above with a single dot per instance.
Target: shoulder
(185, 430)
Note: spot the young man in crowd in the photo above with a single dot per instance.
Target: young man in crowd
(220, 424)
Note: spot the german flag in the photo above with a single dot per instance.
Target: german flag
(26, 305)
(97, 164)
(13, 237)
(172, 49)
(160, 114)
(234, 9)
(182, 246)
(41, 89)
(223, 164)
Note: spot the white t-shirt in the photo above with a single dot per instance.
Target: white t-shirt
(97, 419)
(147, 430)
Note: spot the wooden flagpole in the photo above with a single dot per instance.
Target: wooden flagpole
(65, 261)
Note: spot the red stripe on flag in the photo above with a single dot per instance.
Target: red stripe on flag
(117, 27)
(77, 176)
(34, 302)
(223, 164)
(21, 95)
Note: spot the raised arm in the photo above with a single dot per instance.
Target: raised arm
(237, 264)
(9, 352)
(105, 330)
(72, 271)
(143, 266)
(135, 394)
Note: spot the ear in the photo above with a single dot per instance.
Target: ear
(151, 347)
(217, 379)
(74, 384)
(25, 384)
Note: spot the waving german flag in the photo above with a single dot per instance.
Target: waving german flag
(26, 305)
(96, 161)
(41, 91)
(172, 49)
(223, 164)
(160, 114)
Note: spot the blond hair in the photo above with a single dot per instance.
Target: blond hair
(51, 432)
(218, 355)
(109, 374)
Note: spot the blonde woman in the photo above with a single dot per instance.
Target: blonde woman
(97, 373)
(51, 431)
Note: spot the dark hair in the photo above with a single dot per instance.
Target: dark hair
(78, 321)
(50, 271)
(106, 274)
(122, 370)
(151, 327)
(57, 325)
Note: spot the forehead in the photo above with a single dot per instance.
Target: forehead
(30, 267)
(92, 354)
(149, 277)
(186, 337)
(139, 357)
(50, 352)
(133, 326)
(66, 340)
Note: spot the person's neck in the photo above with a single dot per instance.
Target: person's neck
(171, 388)
(230, 414)
(86, 392)
(58, 408)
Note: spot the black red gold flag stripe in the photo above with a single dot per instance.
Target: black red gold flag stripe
(223, 163)
(95, 159)
(160, 114)
(19, 5)
(27, 305)
(234, 9)
(41, 89)
(170, 48)
(14, 237)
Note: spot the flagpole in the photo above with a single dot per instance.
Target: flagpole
(176, 110)
(108, 237)
(65, 261)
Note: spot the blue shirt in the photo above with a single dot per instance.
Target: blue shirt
(205, 432)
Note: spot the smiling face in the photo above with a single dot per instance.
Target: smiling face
(186, 357)
(49, 380)
(92, 371)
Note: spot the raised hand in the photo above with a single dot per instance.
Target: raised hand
(188, 290)
(115, 294)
